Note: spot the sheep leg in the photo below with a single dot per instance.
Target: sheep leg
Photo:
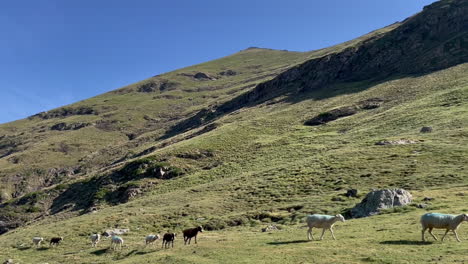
(430, 232)
(333, 235)
(423, 231)
(310, 236)
(195, 239)
(456, 235)
(446, 231)
(323, 233)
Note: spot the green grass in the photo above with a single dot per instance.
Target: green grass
(387, 238)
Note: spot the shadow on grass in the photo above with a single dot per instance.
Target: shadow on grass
(43, 248)
(405, 242)
(100, 251)
(287, 242)
(23, 248)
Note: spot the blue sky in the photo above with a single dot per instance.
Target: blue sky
(56, 52)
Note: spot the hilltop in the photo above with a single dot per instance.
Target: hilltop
(258, 137)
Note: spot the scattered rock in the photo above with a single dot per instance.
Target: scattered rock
(8, 261)
(331, 115)
(428, 199)
(228, 73)
(269, 228)
(351, 193)
(396, 142)
(422, 206)
(381, 199)
(66, 111)
(115, 231)
(426, 130)
(371, 103)
(156, 85)
(64, 126)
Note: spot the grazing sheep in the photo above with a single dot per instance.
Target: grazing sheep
(443, 221)
(151, 238)
(95, 238)
(55, 241)
(322, 221)
(37, 241)
(168, 238)
(191, 232)
(116, 241)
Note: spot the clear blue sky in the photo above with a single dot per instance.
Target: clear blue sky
(56, 52)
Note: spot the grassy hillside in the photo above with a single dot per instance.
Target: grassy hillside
(237, 171)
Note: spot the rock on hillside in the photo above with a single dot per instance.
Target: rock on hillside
(381, 199)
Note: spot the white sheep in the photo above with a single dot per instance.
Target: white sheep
(151, 238)
(116, 241)
(443, 221)
(322, 221)
(95, 238)
(37, 241)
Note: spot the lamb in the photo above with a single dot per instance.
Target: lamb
(151, 238)
(168, 238)
(322, 221)
(191, 232)
(443, 221)
(55, 241)
(37, 241)
(95, 238)
(116, 241)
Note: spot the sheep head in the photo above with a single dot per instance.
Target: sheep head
(340, 217)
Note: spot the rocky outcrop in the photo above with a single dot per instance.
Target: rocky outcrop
(380, 199)
(156, 85)
(66, 111)
(432, 40)
(331, 115)
(64, 126)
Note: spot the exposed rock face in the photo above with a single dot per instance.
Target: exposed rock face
(381, 199)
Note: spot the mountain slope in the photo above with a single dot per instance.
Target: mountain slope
(239, 164)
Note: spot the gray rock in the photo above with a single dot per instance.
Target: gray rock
(428, 199)
(8, 261)
(381, 199)
(422, 206)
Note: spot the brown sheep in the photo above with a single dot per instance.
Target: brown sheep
(168, 238)
(55, 241)
(192, 232)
